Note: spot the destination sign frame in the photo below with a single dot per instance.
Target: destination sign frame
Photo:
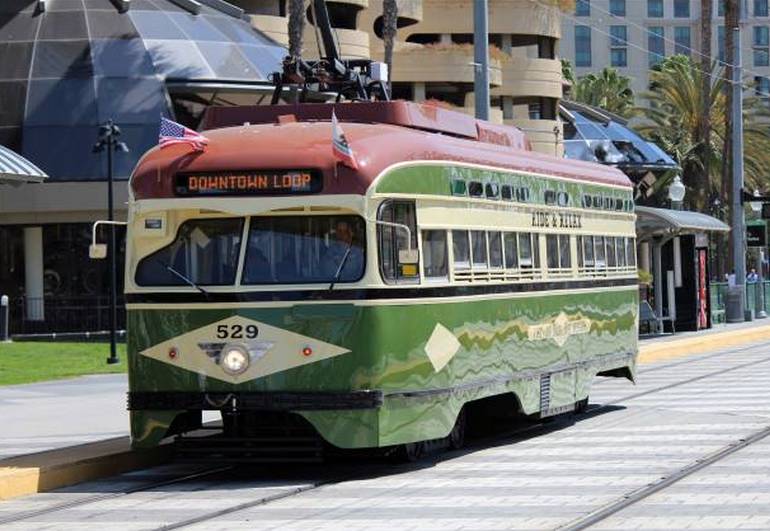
(248, 183)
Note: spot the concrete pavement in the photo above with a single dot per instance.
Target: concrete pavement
(52, 417)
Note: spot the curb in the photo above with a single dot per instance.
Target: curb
(675, 348)
(44, 471)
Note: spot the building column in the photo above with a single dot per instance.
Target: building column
(33, 273)
(507, 107)
(507, 43)
(445, 38)
(644, 256)
(418, 92)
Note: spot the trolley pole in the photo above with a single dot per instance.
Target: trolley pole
(108, 139)
(481, 58)
(738, 224)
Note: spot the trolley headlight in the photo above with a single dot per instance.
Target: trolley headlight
(234, 360)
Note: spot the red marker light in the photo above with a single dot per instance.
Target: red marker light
(173, 353)
(307, 351)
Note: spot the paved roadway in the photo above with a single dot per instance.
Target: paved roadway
(680, 413)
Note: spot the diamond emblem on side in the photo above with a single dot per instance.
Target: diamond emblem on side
(441, 347)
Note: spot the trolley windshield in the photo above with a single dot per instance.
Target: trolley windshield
(279, 250)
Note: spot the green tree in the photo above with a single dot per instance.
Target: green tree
(673, 120)
(607, 89)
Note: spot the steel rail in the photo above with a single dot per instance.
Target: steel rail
(640, 494)
(110, 495)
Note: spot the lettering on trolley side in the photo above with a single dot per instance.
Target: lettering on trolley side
(556, 220)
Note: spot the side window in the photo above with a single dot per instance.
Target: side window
(525, 250)
(552, 251)
(511, 250)
(434, 250)
(620, 246)
(495, 249)
(599, 252)
(391, 239)
(588, 251)
(479, 249)
(631, 252)
(611, 254)
(461, 249)
(565, 253)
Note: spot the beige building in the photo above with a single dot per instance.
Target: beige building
(633, 35)
(433, 57)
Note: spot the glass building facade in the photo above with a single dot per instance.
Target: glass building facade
(80, 62)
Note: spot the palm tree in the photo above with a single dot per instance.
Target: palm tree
(673, 121)
(296, 27)
(703, 133)
(389, 30)
(607, 89)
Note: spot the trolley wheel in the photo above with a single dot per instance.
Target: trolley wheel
(457, 435)
(410, 452)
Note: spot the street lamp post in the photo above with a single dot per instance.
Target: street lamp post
(108, 140)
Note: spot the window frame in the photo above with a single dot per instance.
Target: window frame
(415, 243)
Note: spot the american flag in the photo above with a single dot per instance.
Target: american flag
(340, 147)
(172, 133)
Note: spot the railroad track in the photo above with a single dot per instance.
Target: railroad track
(340, 474)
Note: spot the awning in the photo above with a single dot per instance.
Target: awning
(15, 169)
(652, 222)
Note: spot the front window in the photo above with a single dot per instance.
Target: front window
(205, 252)
(304, 249)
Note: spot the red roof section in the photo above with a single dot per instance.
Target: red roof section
(297, 144)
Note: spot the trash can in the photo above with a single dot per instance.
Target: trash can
(734, 310)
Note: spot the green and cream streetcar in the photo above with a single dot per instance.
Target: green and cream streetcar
(268, 281)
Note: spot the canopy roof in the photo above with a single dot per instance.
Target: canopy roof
(15, 169)
(651, 222)
(594, 134)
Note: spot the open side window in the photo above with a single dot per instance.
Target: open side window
(396, 235)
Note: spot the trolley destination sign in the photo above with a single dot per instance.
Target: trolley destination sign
(248, 183)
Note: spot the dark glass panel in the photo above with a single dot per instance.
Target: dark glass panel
(121, 57)
(64, 153)
(10, 137)
(267, 59)
(139, 139)
(63, 5)
(61, 102)
(13, 95)
(18, 26)
(227, 61)
(155, 25)
(64, 25)
(240, 32)
(15, 59)
(196, 28)
(105, 24)
(178, 59)
(130, 101)
(62, 59)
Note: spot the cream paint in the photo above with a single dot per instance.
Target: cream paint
(441, 347)
(273, 350)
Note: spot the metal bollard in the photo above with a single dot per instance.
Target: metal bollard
(5, 334)
(759, 300)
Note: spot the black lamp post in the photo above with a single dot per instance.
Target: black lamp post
(108, 140)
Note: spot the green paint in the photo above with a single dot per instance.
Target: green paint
(387, 345)
(430, 179)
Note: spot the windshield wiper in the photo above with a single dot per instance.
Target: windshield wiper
(339, 267)
(186, 279)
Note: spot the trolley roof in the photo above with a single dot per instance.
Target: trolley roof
(381, 134)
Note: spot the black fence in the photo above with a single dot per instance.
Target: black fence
(63, 314)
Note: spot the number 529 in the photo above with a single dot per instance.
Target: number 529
(236, 331)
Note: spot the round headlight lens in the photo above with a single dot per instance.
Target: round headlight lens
(234, 360)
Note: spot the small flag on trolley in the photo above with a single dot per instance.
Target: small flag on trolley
(340, 147)
(172, 133)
